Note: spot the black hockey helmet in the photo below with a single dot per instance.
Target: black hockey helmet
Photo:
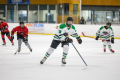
(108, 24)
(21, 22)
(69, 19)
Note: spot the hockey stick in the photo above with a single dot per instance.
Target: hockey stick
(87, 36)
(92, 37)
(80, 56)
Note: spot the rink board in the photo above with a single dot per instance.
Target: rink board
(49, 29)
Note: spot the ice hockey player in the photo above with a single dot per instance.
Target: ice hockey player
(22, 35)
(62, 37)
(4, 30)
(106, 33)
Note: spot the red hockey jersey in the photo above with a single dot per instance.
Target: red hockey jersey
(20, 31)
(5, 25)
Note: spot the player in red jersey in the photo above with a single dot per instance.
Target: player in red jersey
(22, 35)
(4, 30)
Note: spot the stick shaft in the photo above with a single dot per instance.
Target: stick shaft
(93, 37)
(79, 53)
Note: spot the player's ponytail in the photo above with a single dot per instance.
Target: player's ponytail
(56, 27)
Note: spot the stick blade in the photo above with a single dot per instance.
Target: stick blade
(83, 34)
(85, 67)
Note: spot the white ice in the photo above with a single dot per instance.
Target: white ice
(26, 64)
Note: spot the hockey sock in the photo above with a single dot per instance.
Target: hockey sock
(49, 52)
(104, 46)
(27, 44)
(64, 55)
(109, 46)
(3, 38)
(19, 43)
(9, 39)
(65, 50)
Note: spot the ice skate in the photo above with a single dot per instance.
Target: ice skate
(43, 60)
(63, 61)
(104, 50)
(112, 51)
(4, 44)
(30, 49)
(12, 44)
(19, 49)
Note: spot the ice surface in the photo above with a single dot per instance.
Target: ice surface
(26, 66)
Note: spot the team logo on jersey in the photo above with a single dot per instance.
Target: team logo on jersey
(21, 32)
(105, 33)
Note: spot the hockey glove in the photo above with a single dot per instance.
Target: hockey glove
(67, 39)
(25, 39)
(12, 37)
(97, 37)
(3, 29)
(112, 40)
(65, 34)
(79, 40)
(21, 33)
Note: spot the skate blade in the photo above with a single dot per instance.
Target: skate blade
(113, 52)
(85, 67)
(41, 63)
(63, 64)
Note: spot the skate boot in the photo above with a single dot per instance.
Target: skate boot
(12, 44)
(19, 49)
(104, 50)
(63, 61)
(4, 44)
(112, 51)
(30, 49)
(43, 60)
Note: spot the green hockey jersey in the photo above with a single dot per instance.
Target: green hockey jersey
(104, 33)
(63, 29)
